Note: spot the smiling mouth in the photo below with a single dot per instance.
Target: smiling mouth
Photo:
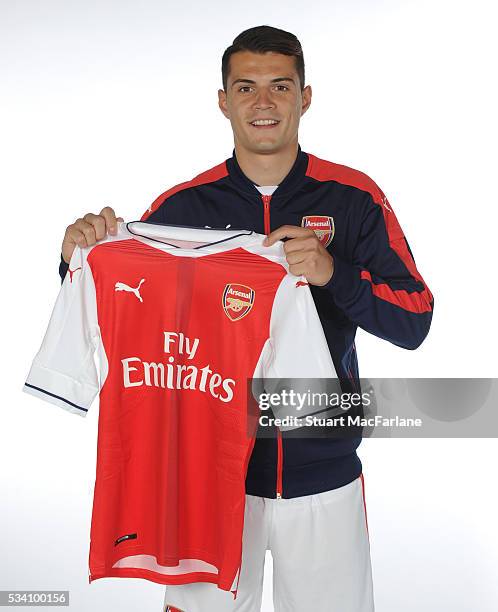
(264, 123)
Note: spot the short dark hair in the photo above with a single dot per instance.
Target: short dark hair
(262, 39)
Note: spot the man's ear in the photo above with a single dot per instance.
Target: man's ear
(222, 103)
(306, 97)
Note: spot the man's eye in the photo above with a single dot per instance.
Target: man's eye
(246, 88)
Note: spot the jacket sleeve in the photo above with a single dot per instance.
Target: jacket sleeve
(63, 268)
(381, 289)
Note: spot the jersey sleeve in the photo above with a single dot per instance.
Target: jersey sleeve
(296, 356)
(63, 371)
(298, 345)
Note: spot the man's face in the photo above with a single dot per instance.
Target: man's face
(263, 86)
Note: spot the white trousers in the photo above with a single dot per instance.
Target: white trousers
(321, 557)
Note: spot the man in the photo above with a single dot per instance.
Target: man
(304, 496)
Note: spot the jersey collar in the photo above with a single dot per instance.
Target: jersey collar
(163, 237)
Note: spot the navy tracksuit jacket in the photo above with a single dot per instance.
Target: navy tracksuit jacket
(375, 285)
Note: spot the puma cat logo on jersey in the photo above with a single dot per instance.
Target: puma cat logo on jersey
(71, 272)
(124, 287)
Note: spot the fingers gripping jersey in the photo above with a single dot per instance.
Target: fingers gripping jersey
(180, 319)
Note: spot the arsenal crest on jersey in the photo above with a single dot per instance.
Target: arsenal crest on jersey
(237, 301)
(322, 226)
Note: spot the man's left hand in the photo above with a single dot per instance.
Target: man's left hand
(305, 254)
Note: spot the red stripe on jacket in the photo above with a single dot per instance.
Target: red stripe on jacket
(209, 176)
(418, 302)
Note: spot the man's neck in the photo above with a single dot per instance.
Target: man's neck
(266, 169)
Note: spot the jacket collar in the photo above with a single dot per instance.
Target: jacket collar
(291, 182)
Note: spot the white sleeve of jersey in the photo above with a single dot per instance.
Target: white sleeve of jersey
(63, 371)
(299, 346)
(296, 355)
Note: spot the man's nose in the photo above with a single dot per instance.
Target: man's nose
(264, 100)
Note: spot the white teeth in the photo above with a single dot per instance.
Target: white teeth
(264, 122)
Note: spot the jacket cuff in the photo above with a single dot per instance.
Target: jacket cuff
(345, 281)
(63, 268)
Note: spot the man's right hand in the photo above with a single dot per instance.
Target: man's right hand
(89, 230)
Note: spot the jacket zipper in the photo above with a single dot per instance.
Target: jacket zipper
(280, 452)
(280, 458)
(266, 204)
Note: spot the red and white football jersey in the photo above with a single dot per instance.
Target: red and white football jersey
(180, 319)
